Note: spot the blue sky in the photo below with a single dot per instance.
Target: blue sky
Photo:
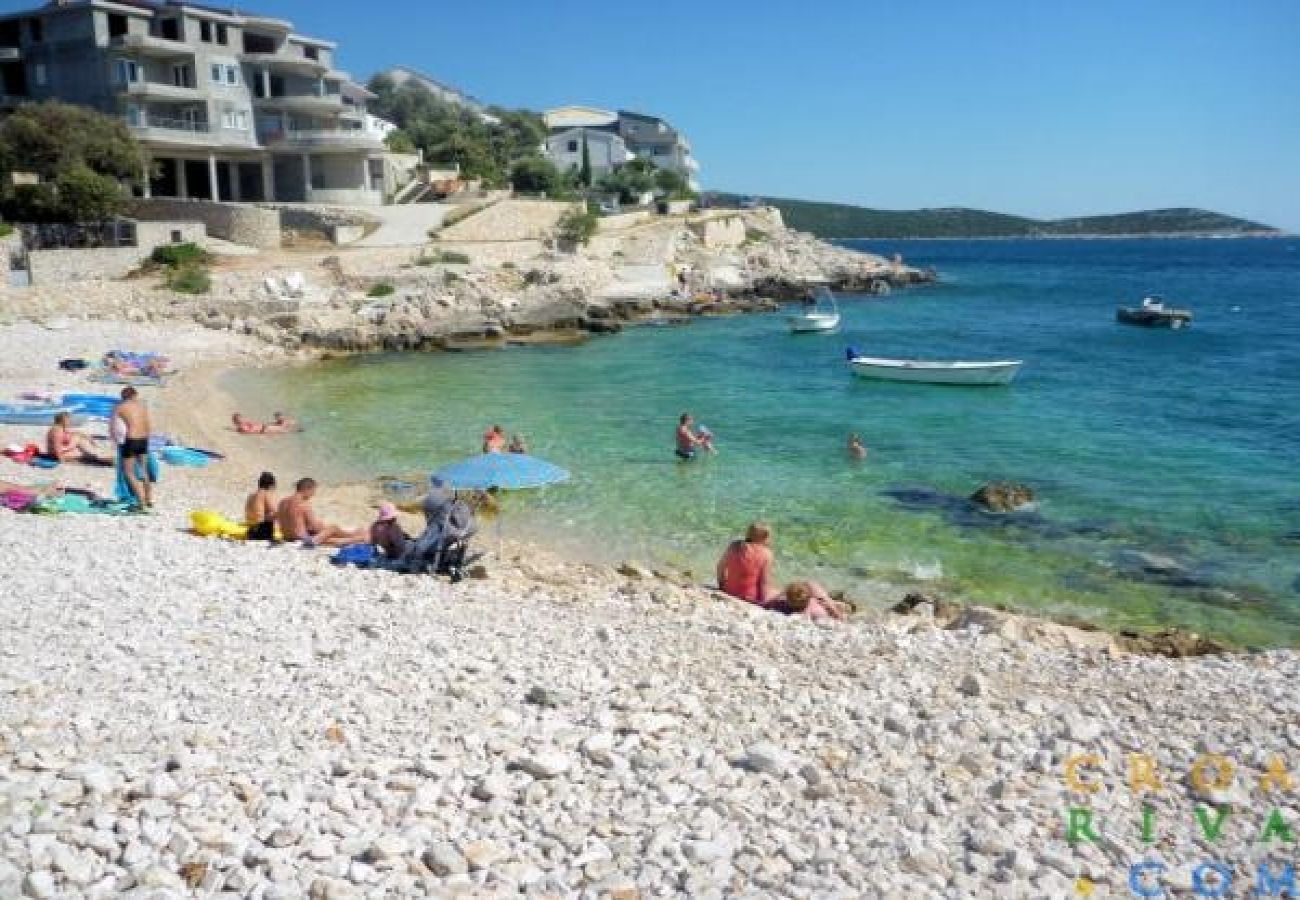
(1035, 107)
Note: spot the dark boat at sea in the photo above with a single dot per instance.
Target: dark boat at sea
(1154, 314)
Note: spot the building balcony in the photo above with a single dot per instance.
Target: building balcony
(149, 45)
(159, 91)
(323, 140)
(329, 104)
(11, 54)
(283, 62)
(163, 130)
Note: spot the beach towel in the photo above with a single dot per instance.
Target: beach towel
(133, 380)
(122, 490)
(355, 555)
(184, 456)
(79, 504)
(18, 501)
(73, 365)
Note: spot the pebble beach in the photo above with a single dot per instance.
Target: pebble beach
(182, 717)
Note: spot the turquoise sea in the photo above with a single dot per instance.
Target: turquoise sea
(1180, 444)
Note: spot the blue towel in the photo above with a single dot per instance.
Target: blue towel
(123, 488)
(184, 456)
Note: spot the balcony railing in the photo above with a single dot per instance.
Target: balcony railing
(169, 124)
(11, 54)
(160, 89)
(152, 44)
(322, 139)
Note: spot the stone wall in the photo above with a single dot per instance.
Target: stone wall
(720, 231)
(90, 264)
(508, 220)
(341, 225)
(625, 220)
(252, 226)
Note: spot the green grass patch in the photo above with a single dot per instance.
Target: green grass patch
(6, 229)
(180, 255)
(383, 289)
(192, 279)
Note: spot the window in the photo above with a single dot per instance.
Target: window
(41, 74)
(216, 73)
(311, 52)
(127, 71)
(36, 30)
(205, 32)
(660, 151)
(232, 74)
(573, 146)
(222, 35)
(182, 76)
(117, 25)
(236, 119)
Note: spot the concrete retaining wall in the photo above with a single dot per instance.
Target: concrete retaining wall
(508, 220)
(84, 264)
(252, 226)
(625, 220)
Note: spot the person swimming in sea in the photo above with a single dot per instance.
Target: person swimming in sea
(857, 449)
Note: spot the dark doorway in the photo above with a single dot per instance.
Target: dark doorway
(250, 182)
(197, 183)
(223, 180)
(164, 179)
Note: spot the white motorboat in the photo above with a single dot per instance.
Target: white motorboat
(822, 314)
(1153, 313)
(935, 372)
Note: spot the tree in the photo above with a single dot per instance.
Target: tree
(483, 146)
(672, 184)
(398, 141)
(81, 156)
(584, 171)
(630, 181)
(535, 175)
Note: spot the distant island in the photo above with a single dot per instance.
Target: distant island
(838, 220)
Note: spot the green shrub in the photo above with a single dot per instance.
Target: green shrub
(178, 255)
(508, 265)
(454, 258)
(6, 229)
(578, 226)
(383, 289)
(191, 279)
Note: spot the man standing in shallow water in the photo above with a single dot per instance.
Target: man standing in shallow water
(130, 426)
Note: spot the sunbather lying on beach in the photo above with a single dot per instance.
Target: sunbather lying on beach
(807, 598)
(281, 424)
(298, 522)
(66, 445)
(41, 490)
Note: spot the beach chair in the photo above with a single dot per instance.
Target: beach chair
(444, 546)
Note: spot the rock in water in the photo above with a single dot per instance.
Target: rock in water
(1003, 497)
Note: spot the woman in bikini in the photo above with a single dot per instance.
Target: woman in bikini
(66, 445)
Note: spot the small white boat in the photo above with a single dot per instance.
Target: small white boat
(821, 315)
(1153, 313)
(933, 372)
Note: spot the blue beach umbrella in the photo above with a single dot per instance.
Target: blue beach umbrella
(504, 471)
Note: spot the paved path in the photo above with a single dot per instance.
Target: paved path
(404, 225)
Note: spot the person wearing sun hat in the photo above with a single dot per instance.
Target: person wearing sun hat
(386, 533)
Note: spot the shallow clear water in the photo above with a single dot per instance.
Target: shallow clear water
(1180, 444)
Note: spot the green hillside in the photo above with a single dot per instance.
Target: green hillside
(837, 220)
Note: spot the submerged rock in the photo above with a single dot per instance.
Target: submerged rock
(1003, 497)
